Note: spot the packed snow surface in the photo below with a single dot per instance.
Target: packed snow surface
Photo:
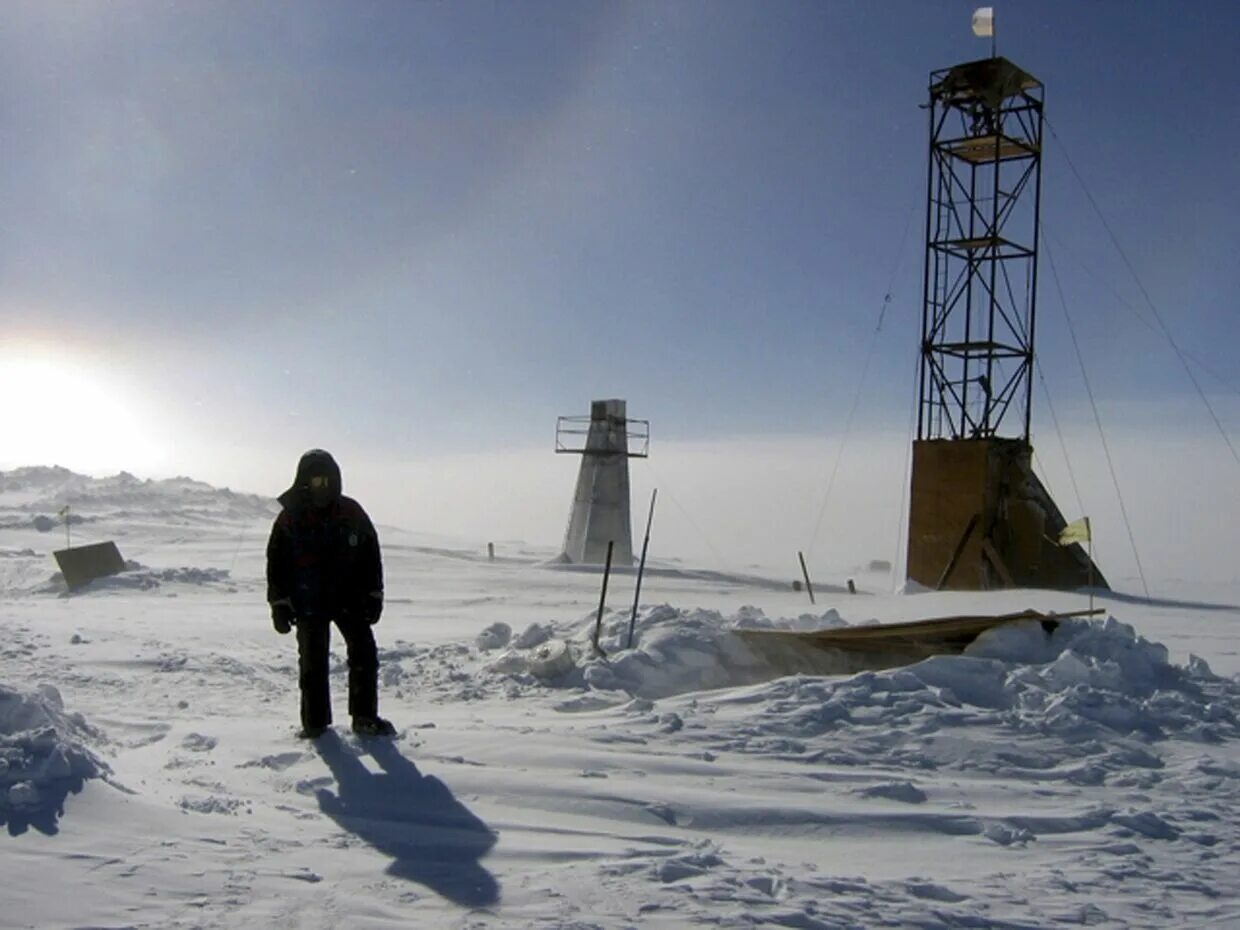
(1088, 776)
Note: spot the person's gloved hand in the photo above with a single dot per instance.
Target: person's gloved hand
(373, 608)
(282, 617)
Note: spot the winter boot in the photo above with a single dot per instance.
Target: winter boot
(373, 726)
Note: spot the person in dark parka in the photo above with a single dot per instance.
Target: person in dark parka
(324, 566)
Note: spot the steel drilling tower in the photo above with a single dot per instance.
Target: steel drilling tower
(979, 517)
(984, 194)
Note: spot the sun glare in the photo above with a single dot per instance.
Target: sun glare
(58, 410)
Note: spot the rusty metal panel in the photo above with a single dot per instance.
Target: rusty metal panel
(949, 489)
(1012, 542)
(1031, 522)
(82, 564)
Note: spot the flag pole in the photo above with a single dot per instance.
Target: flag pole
(994, 33)
(1089, 534)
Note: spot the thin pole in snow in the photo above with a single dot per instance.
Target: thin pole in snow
(602, 600)
(641, 568)
(1089, 535)
(805, 571)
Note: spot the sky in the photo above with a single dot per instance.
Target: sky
(416, 233)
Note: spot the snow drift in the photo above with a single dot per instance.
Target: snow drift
(42, 757)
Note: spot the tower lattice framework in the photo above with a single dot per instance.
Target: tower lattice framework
(979, 309)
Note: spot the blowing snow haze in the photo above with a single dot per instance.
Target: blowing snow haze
(416, 234)
(148, 757)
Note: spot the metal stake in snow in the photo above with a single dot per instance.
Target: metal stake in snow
(602, 600)
(805, 571)
(64, 515)
(641, 567)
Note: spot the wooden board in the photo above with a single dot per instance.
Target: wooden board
(981, 149)
(83, 564)
(923, 637)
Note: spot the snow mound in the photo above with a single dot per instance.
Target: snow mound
(674, 651)
(32, 496)
(1084, 705)
(496, 636)
(1086, 680)
(1088, 677)
(42, 757)
(677, 651)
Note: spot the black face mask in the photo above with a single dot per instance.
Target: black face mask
(319, 491)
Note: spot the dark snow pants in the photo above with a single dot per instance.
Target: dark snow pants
(313, 648)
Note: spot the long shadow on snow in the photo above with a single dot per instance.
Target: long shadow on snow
(432, 837)
(1175, 603)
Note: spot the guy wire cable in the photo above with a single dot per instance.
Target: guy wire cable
(1119, 298)
(1106, 449)
(901, 519)
(245, 529)
(1063, 445)
(662, 485)
(865, 368)
(1149, 301)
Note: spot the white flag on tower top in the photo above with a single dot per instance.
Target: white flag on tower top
(984, 21)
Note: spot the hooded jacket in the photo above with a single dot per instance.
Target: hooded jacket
(323, 554)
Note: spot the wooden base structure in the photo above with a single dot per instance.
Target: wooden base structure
(980, 519)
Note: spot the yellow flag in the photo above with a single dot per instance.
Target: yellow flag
(1077, 532)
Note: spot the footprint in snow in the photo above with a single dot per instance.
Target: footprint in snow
(932, 892)
(903, 791)
(277, 763)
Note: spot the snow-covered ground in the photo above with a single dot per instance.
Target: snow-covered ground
(150, 776)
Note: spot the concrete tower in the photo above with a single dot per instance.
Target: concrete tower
(600, 511)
